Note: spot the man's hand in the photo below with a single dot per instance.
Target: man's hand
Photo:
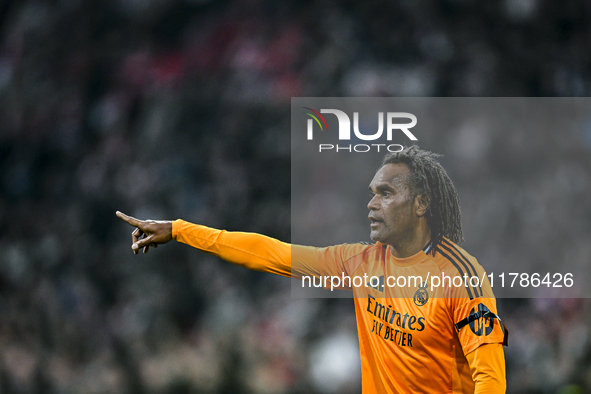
(148, 232)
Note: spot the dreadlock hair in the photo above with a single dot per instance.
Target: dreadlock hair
(428, 177)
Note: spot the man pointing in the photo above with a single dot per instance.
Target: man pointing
(415, 338)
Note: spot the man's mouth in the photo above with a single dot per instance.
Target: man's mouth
(374, 221)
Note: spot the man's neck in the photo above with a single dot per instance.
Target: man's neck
(411, 246)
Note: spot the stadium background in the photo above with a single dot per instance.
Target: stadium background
(171, 108)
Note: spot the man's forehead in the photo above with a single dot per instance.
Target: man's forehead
(392, 173)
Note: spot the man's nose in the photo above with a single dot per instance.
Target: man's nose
(373, 203)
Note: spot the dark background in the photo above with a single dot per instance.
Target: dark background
(167, 109)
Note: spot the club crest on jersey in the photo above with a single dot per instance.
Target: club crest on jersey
(421, 295)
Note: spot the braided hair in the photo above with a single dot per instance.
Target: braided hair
(428, 177)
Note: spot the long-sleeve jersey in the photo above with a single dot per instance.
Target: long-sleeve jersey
(414, 337)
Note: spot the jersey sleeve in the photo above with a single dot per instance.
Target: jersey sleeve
(249, 250)
(340, 261)
(475, 316)
(487, 364)
(261, 253)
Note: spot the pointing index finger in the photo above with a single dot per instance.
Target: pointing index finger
(131, 220)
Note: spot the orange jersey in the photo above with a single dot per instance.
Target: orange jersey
(407, 334)
(409, 341)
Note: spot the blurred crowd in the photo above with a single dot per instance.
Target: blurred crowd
(180, 108)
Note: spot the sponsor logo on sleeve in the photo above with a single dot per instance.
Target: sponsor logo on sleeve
(483, 325)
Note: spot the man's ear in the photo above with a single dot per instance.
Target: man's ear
(421, 204)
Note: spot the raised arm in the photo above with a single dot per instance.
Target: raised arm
(250, 250)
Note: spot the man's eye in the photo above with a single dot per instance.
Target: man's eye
(386, 194)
